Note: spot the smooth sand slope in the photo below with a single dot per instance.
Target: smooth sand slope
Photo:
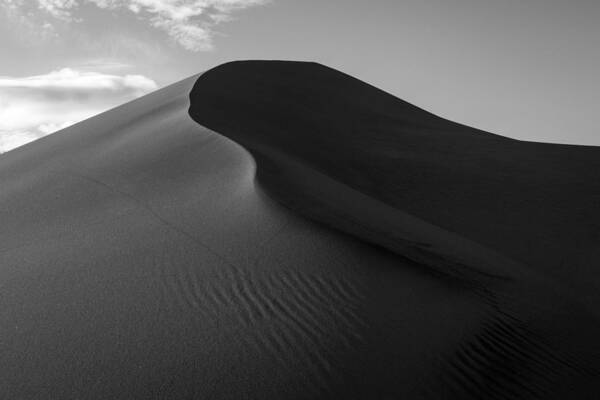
(141, 259)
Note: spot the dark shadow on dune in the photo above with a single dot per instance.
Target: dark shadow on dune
(534, 203)
(516, 223)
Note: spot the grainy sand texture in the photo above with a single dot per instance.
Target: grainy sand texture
(280, 230)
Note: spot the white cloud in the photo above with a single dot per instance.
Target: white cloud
(58, 8)
(35, 106)
(190, 23)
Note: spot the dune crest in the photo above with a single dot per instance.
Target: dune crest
(472, 183)
(361, 160)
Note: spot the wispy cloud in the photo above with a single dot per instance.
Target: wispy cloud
(58, 8)
(35, 106)
(191, 23)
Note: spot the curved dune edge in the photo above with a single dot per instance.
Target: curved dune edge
(338, 200)
(316, 194)
(234, 101)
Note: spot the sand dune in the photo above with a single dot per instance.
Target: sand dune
(382, 252)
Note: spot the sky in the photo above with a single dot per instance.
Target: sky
(526, 69)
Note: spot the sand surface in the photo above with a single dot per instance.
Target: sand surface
(304, 236)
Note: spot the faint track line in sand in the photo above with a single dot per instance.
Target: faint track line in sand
(156, 215)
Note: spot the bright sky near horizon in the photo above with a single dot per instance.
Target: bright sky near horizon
(521, 68)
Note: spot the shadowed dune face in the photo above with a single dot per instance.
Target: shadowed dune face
(532, 202)
(140, 259)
